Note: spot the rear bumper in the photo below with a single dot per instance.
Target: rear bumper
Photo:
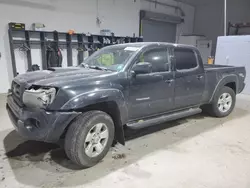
(38, 124)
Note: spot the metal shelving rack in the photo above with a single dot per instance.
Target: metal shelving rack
(237, 27)
(80, 41)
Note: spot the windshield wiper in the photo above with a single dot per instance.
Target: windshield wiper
(99, 68)
(95, 67)
(84, 65)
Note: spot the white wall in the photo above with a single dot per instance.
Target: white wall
(121, 16)
(184, 28)
(209, 17)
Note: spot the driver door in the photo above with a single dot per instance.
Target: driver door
(152, 93)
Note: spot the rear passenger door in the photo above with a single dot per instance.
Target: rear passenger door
(189, 78)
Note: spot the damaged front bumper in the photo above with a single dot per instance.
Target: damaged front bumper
(38, 124)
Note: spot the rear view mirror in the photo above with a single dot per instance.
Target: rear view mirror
(142, 68)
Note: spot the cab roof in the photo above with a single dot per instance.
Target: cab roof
(146, 44)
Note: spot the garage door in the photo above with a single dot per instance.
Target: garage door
(156, 31)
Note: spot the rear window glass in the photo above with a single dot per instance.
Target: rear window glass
(185, 59)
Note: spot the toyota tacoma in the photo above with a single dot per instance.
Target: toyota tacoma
(133, 85)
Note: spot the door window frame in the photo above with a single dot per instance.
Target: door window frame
(185, 70)
(168, 53)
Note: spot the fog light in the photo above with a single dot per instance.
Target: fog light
(31, 124)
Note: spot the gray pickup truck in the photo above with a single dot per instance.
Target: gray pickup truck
(137, 85)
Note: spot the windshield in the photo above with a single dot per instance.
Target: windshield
(112, 58)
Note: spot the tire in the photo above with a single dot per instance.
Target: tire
(82, 150)
(217, 110)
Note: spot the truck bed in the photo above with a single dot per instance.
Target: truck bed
(223, 68)
(215, 73)
(212, 67)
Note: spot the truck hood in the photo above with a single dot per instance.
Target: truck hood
(58, 76)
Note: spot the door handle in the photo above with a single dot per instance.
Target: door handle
(199, 77)
(169, 81)
(157, 76)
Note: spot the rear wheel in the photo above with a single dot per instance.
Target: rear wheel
(89, 138)
(223, 103)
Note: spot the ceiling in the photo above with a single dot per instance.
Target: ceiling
(207, 2)
(198, 2)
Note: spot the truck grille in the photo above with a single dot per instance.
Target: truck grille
(16, 89)
(17, 93)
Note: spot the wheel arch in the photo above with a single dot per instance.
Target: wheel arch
(230, 81)
(231, 85)
(113, 110)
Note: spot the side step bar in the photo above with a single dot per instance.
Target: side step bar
(164, 118)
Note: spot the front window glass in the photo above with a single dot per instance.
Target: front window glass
(158, 58)
(113, 58)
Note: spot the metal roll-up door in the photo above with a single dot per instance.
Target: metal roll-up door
(156, 27)
(154, 31)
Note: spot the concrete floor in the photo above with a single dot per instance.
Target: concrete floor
(197, 152)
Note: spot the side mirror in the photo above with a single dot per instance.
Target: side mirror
(142, 68)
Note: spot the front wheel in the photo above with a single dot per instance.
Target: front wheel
(89, 138)
(223, 103)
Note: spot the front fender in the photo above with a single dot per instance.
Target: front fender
(225, 80)
(98, 96)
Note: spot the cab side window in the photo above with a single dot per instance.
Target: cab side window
(185, 59)
(158, 58)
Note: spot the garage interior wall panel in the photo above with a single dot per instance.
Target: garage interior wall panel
(234, 51)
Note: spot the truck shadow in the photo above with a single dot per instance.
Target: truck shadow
(31, 161)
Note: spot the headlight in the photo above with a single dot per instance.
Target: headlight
(39, 98)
